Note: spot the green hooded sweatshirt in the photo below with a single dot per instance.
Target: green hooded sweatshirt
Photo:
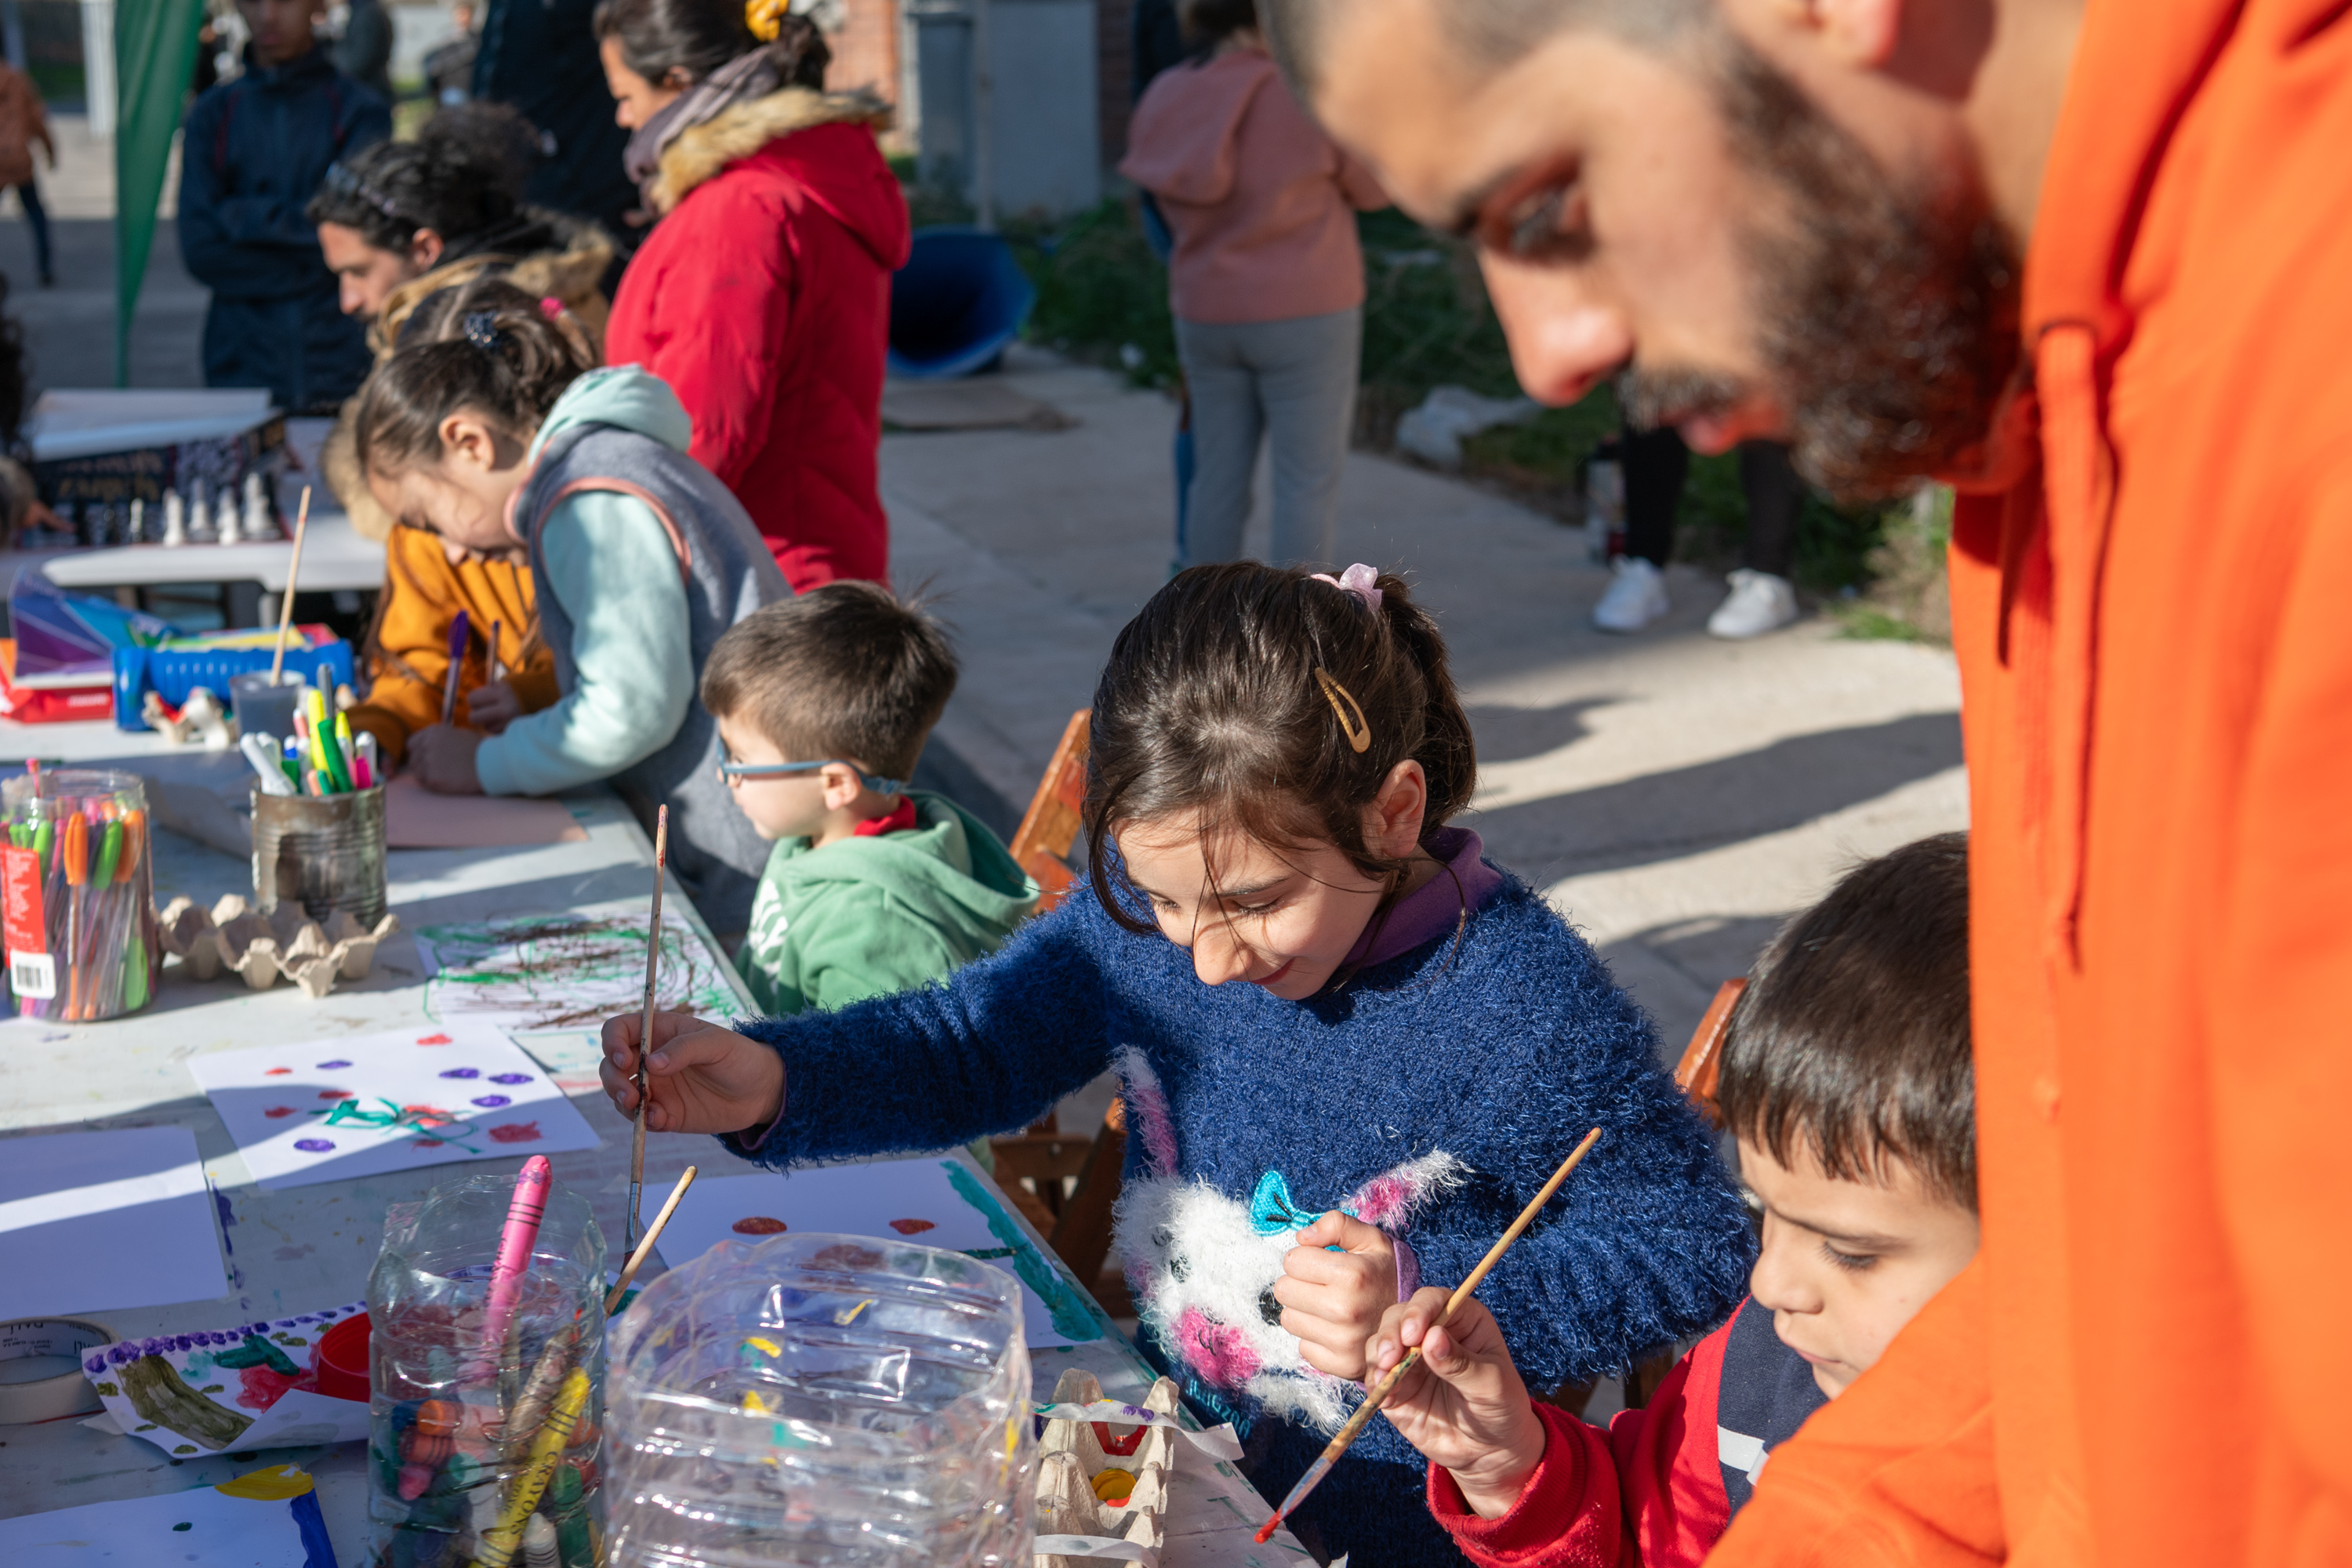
(867, 917)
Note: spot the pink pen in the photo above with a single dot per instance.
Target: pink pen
(523, 1215)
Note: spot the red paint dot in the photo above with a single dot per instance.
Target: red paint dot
(912, 1226)
(337, 1094)
(275, 1111)
(433, 1039)
(277, 1072)
(428, 1142)
(759, 1224)
(516, 1132)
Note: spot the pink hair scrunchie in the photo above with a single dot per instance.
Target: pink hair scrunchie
(1358, 580)
(551, 307)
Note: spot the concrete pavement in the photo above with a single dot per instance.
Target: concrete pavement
(1675, 795)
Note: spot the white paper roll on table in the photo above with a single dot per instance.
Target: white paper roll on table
(40, 1368)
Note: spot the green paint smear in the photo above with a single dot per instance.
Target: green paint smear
(1074, 1317)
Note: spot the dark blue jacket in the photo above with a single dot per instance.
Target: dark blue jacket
(539, 56)
(253, 155)
(1432, 1095)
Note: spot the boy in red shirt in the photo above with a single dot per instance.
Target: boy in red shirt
(1846, 1079)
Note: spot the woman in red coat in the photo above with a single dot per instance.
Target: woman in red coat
(762, 295)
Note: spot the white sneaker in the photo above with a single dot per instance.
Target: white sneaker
(1758, 603)
(1636, 596)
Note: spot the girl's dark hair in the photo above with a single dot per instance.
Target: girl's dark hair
(1214, 703)
(1206, 21)
(697, 37)
(484, 345)
(462, 178)
(1851, 1042)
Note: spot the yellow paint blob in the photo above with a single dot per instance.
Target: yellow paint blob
(278, 1483)
(1113, 1486)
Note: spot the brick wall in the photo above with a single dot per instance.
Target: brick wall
(866, 52)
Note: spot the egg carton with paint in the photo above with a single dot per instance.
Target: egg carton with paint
(1113, 1494)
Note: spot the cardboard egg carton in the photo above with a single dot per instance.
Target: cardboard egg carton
(261, 949)
(1070, 1457)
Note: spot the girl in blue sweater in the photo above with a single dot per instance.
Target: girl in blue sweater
(1337, 1026)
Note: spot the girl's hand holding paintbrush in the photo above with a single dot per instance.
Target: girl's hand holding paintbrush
(1463, 1406)
(702, 1078)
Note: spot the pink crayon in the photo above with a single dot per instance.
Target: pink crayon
(523, 1215)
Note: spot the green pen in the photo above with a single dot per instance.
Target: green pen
(110, 850)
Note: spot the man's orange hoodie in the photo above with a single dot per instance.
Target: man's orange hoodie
(2148, 1364)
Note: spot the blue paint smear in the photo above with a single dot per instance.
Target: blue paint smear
(318, 1552)
(1074, 1319)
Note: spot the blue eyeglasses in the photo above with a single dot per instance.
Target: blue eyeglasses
(730, 770)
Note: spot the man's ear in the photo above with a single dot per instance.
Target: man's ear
(1860, 33)
(424, 248)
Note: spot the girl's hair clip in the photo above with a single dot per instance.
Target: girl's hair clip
(764, 19)
(1359, 733)
(482, 329)
(1359, 580)
(551, 307)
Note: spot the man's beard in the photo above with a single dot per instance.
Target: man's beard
(1888, 312)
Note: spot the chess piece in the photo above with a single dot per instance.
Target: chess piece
(176, 519)
(199, 519)
(258, 522)
(225, 512)
(137, 532)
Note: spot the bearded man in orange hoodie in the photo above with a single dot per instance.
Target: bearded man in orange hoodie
(2087, 260)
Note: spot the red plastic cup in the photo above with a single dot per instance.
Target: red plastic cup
(342, 1359)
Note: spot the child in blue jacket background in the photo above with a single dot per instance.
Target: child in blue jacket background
(252, 155)
(1338, 1027)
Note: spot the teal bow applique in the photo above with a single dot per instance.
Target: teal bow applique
(1272, 1212)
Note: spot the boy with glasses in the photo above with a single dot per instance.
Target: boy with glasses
(822, 702)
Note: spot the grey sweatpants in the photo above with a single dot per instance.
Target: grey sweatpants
(1295, 380)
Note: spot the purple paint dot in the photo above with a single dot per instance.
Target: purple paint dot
(331, 1067)
(94, 1366)
(510, 1077)
(313, 1145)
(492, 1102)
(463, 1072)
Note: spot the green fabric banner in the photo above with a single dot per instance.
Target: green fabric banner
(154, 59)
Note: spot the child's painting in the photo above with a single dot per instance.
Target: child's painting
(253, 1385)
(265, 1519)
(936, 1201)
(571, 971)
(97, 1221)
(321, 1111)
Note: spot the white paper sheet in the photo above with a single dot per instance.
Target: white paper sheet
(937, 1203)
(201, 1529)
(255, 1404)
(568, 971)
(92, 1222)
(320, 1111)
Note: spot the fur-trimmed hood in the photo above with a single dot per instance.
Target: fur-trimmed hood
(552, 254)
(701, 151)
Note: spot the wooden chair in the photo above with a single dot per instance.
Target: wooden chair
(1066, 1184)
(1040, 845)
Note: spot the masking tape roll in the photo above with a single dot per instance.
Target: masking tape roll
(46, 1399)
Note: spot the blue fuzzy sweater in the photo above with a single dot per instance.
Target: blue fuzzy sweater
(1431, 1095)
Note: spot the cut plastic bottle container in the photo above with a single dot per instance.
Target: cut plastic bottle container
(79, 895)
(448, 1482)
(822, 1399)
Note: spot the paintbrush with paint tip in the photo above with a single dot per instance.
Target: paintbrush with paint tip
(1387, 1385)
(645, 1243)
(645, 1027)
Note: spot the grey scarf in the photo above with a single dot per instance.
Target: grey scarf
(742, 79)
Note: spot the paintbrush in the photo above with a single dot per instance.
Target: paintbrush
(645, 1243)
(293, 570)
(1387, 1385)
(460, 633)
(646, 1028)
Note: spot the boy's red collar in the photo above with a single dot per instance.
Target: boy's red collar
(895, 821)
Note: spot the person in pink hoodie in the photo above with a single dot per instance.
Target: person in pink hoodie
(1266, 282)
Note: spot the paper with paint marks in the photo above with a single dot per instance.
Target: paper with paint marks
(935, 1202)
(257, 1520)
(569, 971)
(248, 1385)
(95, 1222)
(321, 1111)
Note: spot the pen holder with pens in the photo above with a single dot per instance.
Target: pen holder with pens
(323, 852)
(80, 908)
(485, 1442)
